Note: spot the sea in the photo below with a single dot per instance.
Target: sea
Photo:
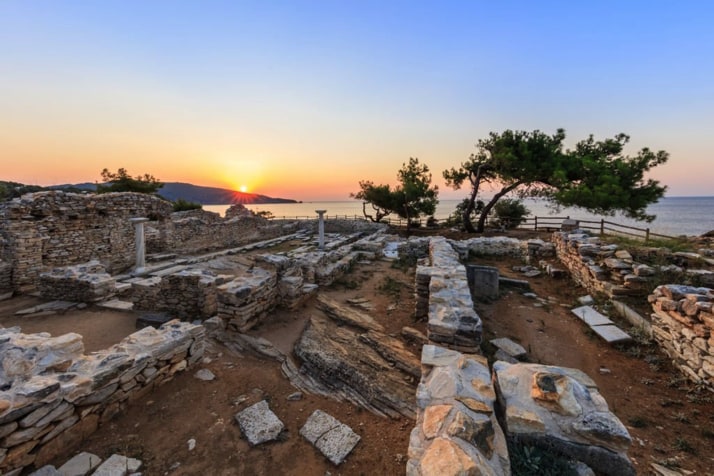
(675, 216)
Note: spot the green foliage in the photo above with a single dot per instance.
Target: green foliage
(413, 197)
(390, 287)
(10, 190)
(182, 205)
(510, 212)
(121, 181)
(638, 422)
(683, 445)
(595, 175)
(267, 214)
(534, 461)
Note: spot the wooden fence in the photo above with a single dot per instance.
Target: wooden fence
(602, 226)
(544, 223)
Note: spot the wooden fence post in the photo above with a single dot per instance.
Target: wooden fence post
(602, 226)
(536, 223)
(647, 235)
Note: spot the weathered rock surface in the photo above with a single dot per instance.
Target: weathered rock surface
(80, 464)
(259, 424)
(561, 408)
(456, 430)
(118, 465)
(334, 439)
(370, 369)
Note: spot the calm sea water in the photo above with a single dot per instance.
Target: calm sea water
(675, 215)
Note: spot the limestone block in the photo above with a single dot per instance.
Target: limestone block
(334, 439)
(80, 464)
(258, 424)
(118, 465)
(550, 407)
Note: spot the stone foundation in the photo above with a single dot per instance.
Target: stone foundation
(53, 396)
(88, 282)
(683, 325)
(456, 430)
(187, 295)
(452, 320)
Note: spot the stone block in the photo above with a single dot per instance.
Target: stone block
(334, 439)
(118, 465)
(590, 316)
(259, 424)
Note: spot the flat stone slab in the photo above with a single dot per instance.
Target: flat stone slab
(47, 307)
(259, 424)
(80, 465)
(509, 347)
(591, 317)
(334, 439)
(117, 304)
(612, 334)
(118, 465)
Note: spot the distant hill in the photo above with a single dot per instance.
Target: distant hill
(196, 193)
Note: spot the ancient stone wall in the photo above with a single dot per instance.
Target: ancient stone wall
(188, 294)
(337, 225)
(44, 230)
(87, 282)
(683, 325)
(456, 430)
(53, 396)
(606, 270)
(601, 268)
(452, 320)
(198, 230)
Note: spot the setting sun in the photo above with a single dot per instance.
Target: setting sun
(243, 188)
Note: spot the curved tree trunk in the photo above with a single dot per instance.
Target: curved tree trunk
(466, 218)
(484, 213)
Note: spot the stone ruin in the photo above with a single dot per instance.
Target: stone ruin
(465, 412)
(52, 395)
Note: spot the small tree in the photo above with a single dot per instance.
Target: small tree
(182, 205)
(595, 176)
(510, 212)
(413, 197)
(121, 181)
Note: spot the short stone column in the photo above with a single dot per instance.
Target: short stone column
(140, 244)
(321, 228)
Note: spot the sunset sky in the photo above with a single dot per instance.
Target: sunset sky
(302, 99)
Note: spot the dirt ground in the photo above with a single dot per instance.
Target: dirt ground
(669, 420)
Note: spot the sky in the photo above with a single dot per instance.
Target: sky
(303, 99)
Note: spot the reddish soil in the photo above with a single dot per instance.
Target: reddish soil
(669, 420)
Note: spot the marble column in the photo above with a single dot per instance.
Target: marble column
(140, 244)
(321, 228)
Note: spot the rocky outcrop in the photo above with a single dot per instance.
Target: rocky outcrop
(367, 367)
(560, 409)
(683, 325)
(456, 430)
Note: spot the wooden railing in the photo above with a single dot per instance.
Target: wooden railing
(602, 226)
(544, 223)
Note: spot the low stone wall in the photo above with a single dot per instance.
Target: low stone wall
(88, 282)
(199, 230)
(244, 301)
(53, 396)
(601, 268)
(452, 320)
(456, 430)
(189, 294)
(683, 325)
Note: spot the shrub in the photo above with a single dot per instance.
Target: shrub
(182, 205)
(509, 213)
